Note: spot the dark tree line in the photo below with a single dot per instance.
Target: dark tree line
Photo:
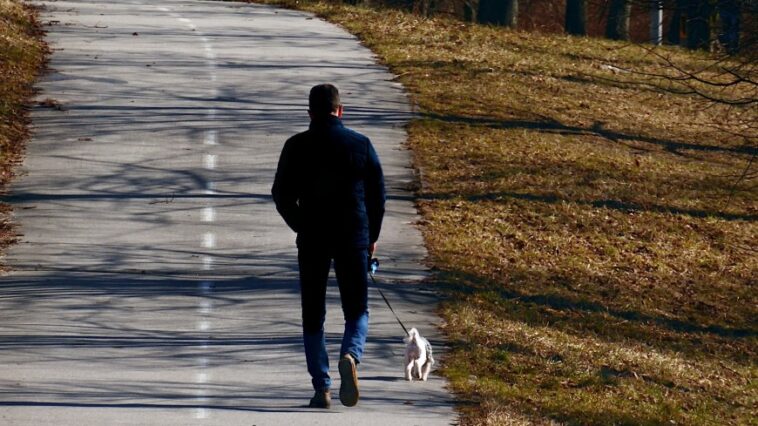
(694, 18)
(691, 23)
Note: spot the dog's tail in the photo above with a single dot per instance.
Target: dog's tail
(412, 335)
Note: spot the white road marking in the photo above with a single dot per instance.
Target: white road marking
(211, 137)
(209, 161)
(201, 398)
(209, 240)
(209, 214)
(210, 55)
(201, 413)
(201, 378)
(206, 306)
(207, 263)
(210, 188)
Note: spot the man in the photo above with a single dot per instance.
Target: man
(329, 188)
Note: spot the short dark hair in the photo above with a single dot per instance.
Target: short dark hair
(323, 100)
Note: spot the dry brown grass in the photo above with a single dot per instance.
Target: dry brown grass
(22, 53)
(601, 259)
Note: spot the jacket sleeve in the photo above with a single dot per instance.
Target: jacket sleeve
(375, 194)
(284, 190)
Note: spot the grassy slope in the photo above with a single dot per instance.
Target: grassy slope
(600, 275)
(22, 53)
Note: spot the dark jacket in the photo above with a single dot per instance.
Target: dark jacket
(329, 187)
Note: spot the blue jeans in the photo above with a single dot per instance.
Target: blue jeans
(350, 267)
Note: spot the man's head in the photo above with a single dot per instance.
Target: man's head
(323, 101)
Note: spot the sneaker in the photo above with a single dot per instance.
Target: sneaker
(348, 381)
(321, 399)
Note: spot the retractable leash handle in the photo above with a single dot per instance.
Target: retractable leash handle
(373, 266)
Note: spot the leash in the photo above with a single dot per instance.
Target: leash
(373, 266)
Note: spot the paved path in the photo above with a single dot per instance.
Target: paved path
(154, 282)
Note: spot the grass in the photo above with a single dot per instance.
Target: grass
(22, 54)
(588, 225)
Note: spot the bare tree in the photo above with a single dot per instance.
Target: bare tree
(675, 24)
(498, 12)
(730, 14)
(618, 20)
(698, 24)
(576, 17)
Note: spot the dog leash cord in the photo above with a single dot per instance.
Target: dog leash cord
(387, 302)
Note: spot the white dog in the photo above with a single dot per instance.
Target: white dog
(418, 356)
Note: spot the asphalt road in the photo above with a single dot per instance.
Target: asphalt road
(154, 282)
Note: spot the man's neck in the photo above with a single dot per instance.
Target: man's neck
(326, 118)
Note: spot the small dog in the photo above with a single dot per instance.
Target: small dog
(418, 356)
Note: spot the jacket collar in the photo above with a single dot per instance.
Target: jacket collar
(330, 121)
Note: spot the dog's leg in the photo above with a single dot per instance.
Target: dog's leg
(408, 368)
(417, 368)
(426, 369)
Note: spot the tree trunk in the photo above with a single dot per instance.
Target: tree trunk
(656, 22)
(576, 17)
(698, 27)
(618, 20)
(468, 12)
(729, 13)
(675, 26)
(511, 13)
(498, 12)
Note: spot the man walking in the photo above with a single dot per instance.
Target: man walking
(329, 188)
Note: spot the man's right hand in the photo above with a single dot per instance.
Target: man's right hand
(371, 249)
